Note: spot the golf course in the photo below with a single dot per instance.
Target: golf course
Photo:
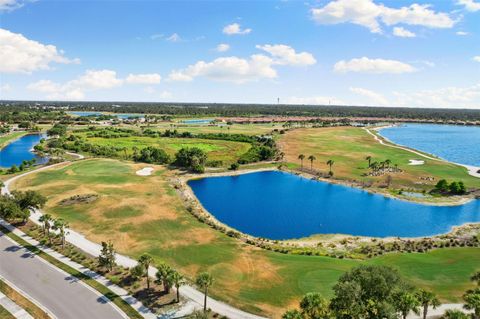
(144, 214)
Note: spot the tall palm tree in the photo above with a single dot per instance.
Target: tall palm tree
(145, 260)
(178, 280)
(426, 299)
(62, 227)
(476, 278)
(311, 158)
(330, 163)
(46, 220)
(369, 159)
(388, 162)
(204, 281)
(301, 157)
(164, 276)
(472, 302)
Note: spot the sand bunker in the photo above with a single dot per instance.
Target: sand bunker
(146, 171)
(416, 162)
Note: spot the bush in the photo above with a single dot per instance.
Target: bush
(234, 166)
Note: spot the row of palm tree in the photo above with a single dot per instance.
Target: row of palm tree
(168, 277)
(380, 166)
(312, 158)
(49, 223)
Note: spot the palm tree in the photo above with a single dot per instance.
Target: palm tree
(164, 276)
(369, 159)
(404, 302)
(476, 278)
(426, 299)
(454, 314)
(388, 162)
(311, 158)
(145, 260)
(178, 280)
(301, 157)
(314, 306)
(46, 221)
(330, 163)
(472, 302)
(204, 281)
(62, 227)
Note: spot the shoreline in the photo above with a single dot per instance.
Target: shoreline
(471, 169)
(188, 193)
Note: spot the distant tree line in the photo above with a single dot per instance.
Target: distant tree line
(226, 110)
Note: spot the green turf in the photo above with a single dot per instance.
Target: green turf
(226, 151)
(349, 147)
(242, 272)
(4, 314)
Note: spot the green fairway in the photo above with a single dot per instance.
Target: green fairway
(217, 150)
(349, 147)
(144, 214)
(10, 137)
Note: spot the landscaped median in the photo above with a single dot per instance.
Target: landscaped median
(115, 294)
(22, 301)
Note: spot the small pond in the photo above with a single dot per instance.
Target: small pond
(280, 205)
(21, 150)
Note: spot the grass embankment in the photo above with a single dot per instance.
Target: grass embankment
(22, 301)
(144, 214)
(10, 137)
(119, 302)
(217, 150)
(349, 146)
(4, 314)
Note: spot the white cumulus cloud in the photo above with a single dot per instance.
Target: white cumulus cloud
(476, 58)
(448, 97)
(229, 69)
(461, 33)
(376, 98)
(149, 78)
(371, 15)
(470, 5)
(403, 33)
(21, 55)
(174, 38)
(235, 28)
(286, 55)
(367, 65)
(222, 47)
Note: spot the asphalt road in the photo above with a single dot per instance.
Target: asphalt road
(65, 297)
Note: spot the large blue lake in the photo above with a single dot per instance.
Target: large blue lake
(280, 205)
(459, 144)
(21, 150)
(119, 115)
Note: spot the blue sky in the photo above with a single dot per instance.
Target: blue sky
(360, 52)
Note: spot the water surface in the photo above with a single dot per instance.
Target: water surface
(21, 150)
(198, 121)
(454, 143)
(280, 205)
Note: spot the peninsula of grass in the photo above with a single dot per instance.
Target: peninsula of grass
(349, 147)
(144, 214)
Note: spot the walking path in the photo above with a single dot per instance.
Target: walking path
(195, 297)
(472, 170)
(13, 308)
(78, 240)
(62, 295)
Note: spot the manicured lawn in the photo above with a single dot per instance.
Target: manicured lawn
(225, 151)
(349, 147)
(10, 137)
(144, 214)
(4, 314)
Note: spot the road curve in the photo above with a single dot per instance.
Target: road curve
(64, 296)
